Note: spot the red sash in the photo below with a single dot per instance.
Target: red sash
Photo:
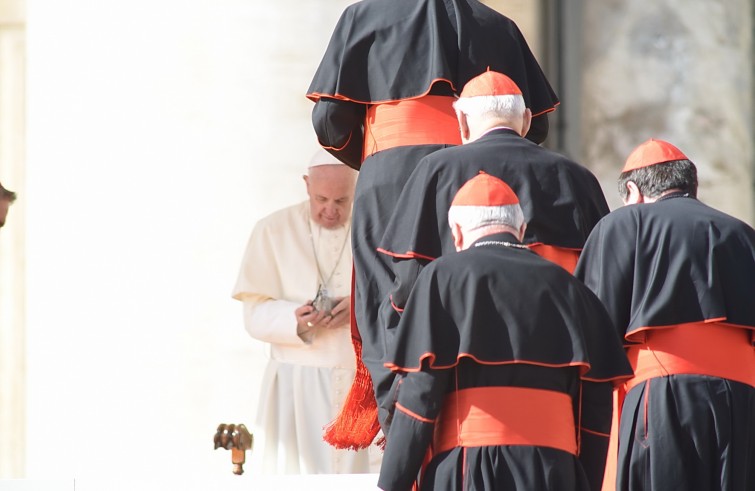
(713, 349)
(486, 416)
(566, 258)
(428, 120)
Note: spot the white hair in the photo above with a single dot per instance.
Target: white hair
(507, 107)
(474, 217)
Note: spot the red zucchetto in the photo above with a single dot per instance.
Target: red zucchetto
(490, 83)
(485, 190)
(652, 152)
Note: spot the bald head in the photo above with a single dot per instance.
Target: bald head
(331, 192)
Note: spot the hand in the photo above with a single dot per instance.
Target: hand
(307, 318)
(340, 314)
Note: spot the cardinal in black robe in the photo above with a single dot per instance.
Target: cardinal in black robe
(561, 200)
(678, 280)
(502, 359)
(383, 98)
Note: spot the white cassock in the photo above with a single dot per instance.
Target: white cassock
(307, 377)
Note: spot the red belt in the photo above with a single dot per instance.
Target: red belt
(713, 349)
(428, 120)
(566, 258)
(487, 416)
(699, 348)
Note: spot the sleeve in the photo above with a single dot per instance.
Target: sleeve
(259, 277)
(591, 201)
(419, 398)
(412, 232)
(406, 272)
(259, 285)
(338, 125)
(411, 238)
(273, 321)
(595, 426)
(606, 266)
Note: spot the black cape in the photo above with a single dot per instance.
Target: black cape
(499, 316)
(561, 200)
(671, 262)
(390, 50)
(535, 312)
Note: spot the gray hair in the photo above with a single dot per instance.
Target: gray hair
(507, 107)
(653, 180)
(475, 217)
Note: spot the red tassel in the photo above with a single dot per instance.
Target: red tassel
(356, 425)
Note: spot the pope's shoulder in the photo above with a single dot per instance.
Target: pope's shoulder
(298, 211)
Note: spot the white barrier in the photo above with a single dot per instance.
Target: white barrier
(321, 482)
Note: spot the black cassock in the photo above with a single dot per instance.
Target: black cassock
(656, 266)
(500, 316)
(383, 51)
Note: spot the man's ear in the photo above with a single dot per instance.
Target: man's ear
(522, 229)
(526, 121)
(463, 126)
(458, 236)
(634, 195)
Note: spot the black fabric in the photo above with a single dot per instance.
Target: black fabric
(595, 427)
(688, 432)
(671, 262)
(533, 311)
(561, 200)
(339, 125)
(378, 187)
(389, 50)
(477, 468)
(516, 468)
(499, 316)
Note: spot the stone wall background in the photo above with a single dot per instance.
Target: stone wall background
(676, 70)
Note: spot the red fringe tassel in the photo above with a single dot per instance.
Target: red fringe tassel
(356, 426)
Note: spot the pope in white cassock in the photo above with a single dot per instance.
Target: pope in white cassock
(294, 281)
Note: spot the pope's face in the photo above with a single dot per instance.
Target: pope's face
(331, 193)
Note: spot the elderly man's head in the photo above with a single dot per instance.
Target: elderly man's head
(6, 198)
(488, 101)
(655, 168)
(330, 186)
(484, 205)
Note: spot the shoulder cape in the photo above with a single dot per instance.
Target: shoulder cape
(390, 50)
(562, 201)
(671, 262)
(498, 305)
